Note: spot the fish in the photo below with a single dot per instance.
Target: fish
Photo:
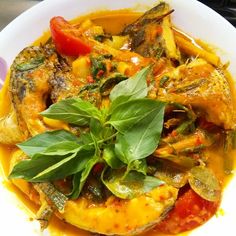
(129, 217)
(29, 87)
(151, 34)
(202, 86)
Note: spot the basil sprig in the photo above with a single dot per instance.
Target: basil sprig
(120, 137)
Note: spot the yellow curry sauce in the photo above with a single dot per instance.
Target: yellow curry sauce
(112, 22)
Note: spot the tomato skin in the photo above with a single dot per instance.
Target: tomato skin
(190, 211)
(65, 41)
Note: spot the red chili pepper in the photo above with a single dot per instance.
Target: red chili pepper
(90, 79)
(98, 168)
(174, 133)
(67, 38)
(100, 73)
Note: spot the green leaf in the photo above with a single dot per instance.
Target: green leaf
(60, 149)
(132, 185)
(171, 174)
(41, 142)
(27, 169)
(129, 113)
(142, 139)
(108, 83)
(135, 86)
(74, 111)
(98, 64)
(139, 166)
(80, 178)
(204, 183)
(96, 128)
(110, 157)
(43, 167)
(68, 166)
(32, 64)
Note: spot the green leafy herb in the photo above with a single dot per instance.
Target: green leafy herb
(80, 178)
(163, 80)
(142, 139)
(91, 86)
(41, 142)
(74, 111)
(120, 138)
(110, 157)
(108, 83)
(134, 87)
(159, 52)
(97, 64)
(204, 183)
(43, 167)
(32, 64)
(129, 113)
(130, 186)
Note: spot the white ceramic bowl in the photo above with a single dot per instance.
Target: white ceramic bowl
(191, 16)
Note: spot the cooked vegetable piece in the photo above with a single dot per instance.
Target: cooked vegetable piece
(204, 182)
(189, 48)
(171, 174)
(68, 39)
(10, 132)
(189, 143)
(191, 210)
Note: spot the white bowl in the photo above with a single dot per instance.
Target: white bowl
(191, 16)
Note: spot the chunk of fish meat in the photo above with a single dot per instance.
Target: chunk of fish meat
(202, 86)
(129, 217)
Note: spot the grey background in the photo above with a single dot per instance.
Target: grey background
(9, 9)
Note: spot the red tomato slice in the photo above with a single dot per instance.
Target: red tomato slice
(190, 211)
(67, 38)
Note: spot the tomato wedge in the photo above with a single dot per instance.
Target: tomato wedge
(67, 38)
(190, 211)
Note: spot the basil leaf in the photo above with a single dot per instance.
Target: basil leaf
(96, 128)
(128, 114)
(204, 182)
(142, 139)
(60, 149)
(135, 86)
(80, 178)
(41, 142)
(139, 166)
(27, 169)
(46, 168)
(67, 166)
(74, 111)
(110, 157)
(132, 185)
(108, 83)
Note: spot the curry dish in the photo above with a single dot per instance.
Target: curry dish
(119, 124)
